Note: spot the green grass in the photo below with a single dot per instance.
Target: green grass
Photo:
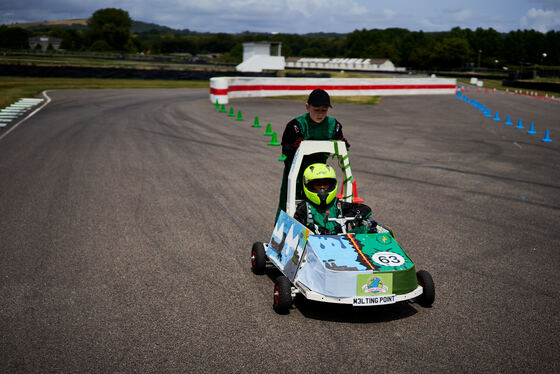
(14, 88)
(547, 79)
(363, 100)
(97, 61)
(487, 83)
(497, 84)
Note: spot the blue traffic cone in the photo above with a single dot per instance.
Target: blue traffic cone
(488, 113)
(546, 137)
(520, 124)
(532, 129)
(497, 117)
(508, 122)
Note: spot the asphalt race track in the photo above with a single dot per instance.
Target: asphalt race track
(127, 218)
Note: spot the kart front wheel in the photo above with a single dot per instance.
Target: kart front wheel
(282, 295)
(258, 258)
(429, 292)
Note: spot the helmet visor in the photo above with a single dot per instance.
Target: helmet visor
(322, 185)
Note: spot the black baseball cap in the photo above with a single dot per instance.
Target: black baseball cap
(319, 97)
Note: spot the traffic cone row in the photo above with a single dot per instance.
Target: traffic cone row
(239, 117)
(534, 94)
(487, 113)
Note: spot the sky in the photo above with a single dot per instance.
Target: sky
(303, 16)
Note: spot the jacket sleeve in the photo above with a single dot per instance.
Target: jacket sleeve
(301, 213)
(338, 135)
(291, 139)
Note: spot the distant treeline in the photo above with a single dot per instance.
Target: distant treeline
(110, 30)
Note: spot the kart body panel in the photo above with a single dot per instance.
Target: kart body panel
(357, 269)
(352, 269)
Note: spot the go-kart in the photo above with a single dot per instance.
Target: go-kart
(357, 269)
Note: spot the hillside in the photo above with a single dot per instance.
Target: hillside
(137, 26)
(67, 23)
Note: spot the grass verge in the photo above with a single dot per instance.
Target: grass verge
(497, 84)
(363, 100)
(14, 88)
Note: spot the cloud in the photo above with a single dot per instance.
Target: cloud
(300, 16)
(541, 20)
(461, 15)
(547, 4)
(294, 16)
(389, 14)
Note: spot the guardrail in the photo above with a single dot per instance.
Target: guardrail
(224, 88)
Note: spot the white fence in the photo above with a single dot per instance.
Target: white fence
(224, 88)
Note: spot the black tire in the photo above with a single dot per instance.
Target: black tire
(282, 295)
(258, 258)
(429, 291)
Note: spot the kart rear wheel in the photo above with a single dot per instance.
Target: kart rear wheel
(282, 295)
(258, 258)
(429, 292)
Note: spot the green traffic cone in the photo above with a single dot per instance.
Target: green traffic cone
(268, 131)
(216, 105)
(239, 116)
(282, 158)
(273, 141)
(256, 123)
(223, 108)
(231, 113)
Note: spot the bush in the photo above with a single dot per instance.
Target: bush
(100, 46)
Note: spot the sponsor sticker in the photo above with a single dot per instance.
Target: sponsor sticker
(384, 239)
(376, 284)
(373, 300)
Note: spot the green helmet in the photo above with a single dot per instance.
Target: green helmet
(319, 184)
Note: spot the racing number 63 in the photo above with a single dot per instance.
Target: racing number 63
(388, 259)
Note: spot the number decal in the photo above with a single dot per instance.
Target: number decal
(388, 259)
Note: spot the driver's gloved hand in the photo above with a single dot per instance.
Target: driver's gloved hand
(371, 225)
(337, 229)
(323, 231)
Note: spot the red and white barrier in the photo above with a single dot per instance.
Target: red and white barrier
(224, 88)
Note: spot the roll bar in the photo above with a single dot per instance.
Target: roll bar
(308, 147)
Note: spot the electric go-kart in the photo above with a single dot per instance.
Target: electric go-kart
(357, 269)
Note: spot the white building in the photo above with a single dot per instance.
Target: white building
(44, 41)
(370, 64)
(259, 56)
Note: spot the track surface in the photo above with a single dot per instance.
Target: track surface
(127, 218)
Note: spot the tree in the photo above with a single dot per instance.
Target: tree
(100, 46)
(72, 40)
(14, 37)
(217, 43)
(111, 25)
(451, 53)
